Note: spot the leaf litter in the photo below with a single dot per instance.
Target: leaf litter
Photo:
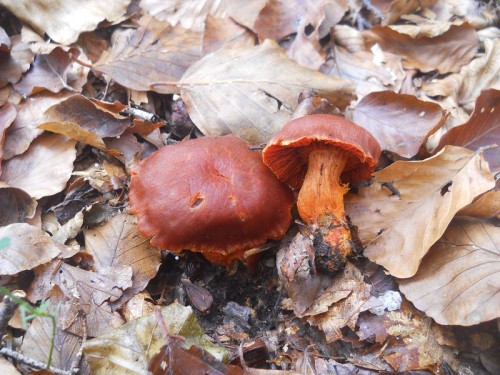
(420, 75)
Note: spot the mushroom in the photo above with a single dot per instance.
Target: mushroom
(211, 195)
(320, 154)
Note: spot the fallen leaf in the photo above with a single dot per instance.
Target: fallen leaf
(24, 128)
(118, 243)
(391, 11)
(7, 368)
(463, 88)
(163, 51)
(4, 42)
(51, 72)
(8, 114)
(15, 62)
(458, 280)
(446, 53)
(15, 205)
(400, 123)
(410, 204)
(225, 33)
(482, 129)
(486, 206)
(64, 21)
(44, 169)
(132, 346)
(23, 247)
(254, 97)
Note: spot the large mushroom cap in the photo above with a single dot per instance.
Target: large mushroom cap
(287, 152)
(209, 194)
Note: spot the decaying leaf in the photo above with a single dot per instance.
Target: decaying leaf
(15, 61)
(446, 53)
(155, 52)
(63, 21)
(44, 169)
(486, 206)
(252, 91)
(410, 205)
(391, 11)
(400, 123)
(129, 349)
(15, 205)
(23, 247)
(458, 281)
(225, 33)
(482, 129)
(118, 243)
(7, 116)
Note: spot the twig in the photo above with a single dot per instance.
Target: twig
(31, 362)
(140, 113)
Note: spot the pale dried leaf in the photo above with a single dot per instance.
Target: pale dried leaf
(16, 62)
(38, 338)
(391, 11)
(64, 20)
(118, 243)
(164, 52)
(458, 281)
(7, 368)
(129, 348)
(225, 33)
(8, 114)
(252, 92)
(44, 169)
(486, 206)
(69, 230)
(15, 205)
(446, 53)
(400, 123)
(398, 226)
(24, 128)
(24, 247)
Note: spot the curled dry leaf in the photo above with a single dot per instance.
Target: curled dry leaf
(63, 21)
(24, 247)
(52, 72)
(15, 62)
(44, 169)
(458, 281)
(407, 209)
(118, 243)
(391, 11)
(134, 344)
(252, 92)
(155, 52)
(8, 114)
(446, 53)
(482, 129)
(400, 123)
(225, 33)
(24, 128)
(486, 206)
(15, 205)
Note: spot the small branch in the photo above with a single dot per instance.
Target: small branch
(31, 362)
(143, 115)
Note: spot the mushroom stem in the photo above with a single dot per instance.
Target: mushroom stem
(321, 205)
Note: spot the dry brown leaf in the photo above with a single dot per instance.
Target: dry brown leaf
(486, 206)
(8, 114)
(400, 123)
(482, 129)
(225, 33)
(7, 368)
(24, 247)
(299, 23)
(391, 11)
(118, 243)
(52, 72)
(482, 73)
(155, 52)
(63, 21)
(15, 205)
(410, 343)
(44, 169)
(192, 14)
(345, 312)
(252, 92)
(24, 128)
(458, 281)
(445, 53)
(410, 204)
(15, 62)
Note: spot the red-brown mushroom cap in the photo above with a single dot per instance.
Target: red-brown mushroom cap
(209, 194)
(287, 152)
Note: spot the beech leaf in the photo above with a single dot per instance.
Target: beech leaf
(23, 247)
(400, 123)
(44, 169)
(407, 209)
(15, 205)
(252, 92)
(458, 281)
(7, 116)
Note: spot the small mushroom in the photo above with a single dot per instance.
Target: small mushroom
(320, 154)
(211, 195)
